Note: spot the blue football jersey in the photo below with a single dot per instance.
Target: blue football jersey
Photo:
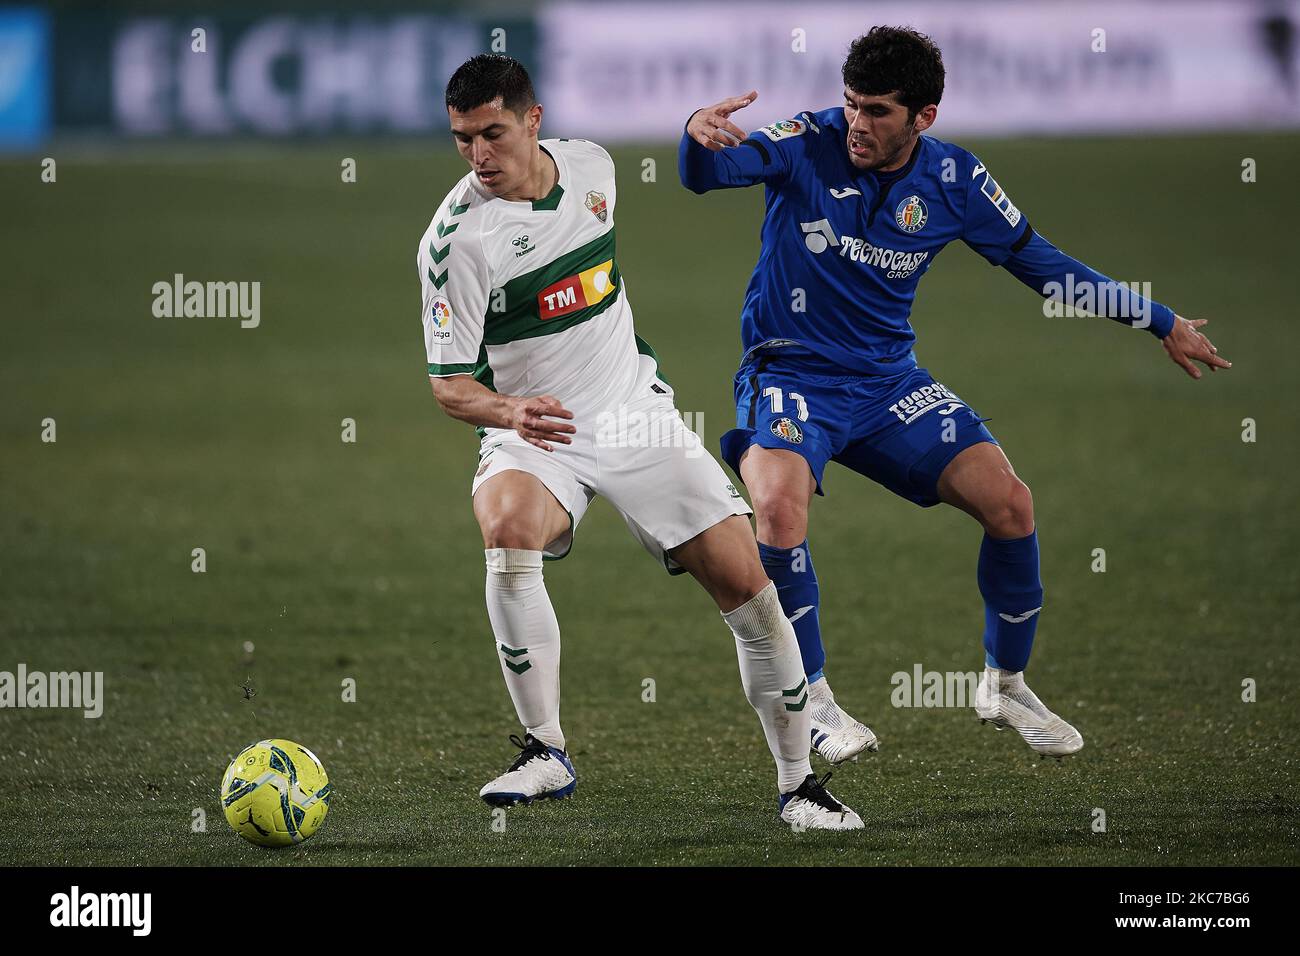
(843, 249)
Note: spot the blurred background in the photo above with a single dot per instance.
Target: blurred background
(128, 70)
(1156, 141)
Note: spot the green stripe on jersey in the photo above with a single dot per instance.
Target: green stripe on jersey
(483, 375)
(481, 370)
(551, 201)
(521, 319)
(644, 348)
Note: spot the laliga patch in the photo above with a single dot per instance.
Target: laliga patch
(440, 321)
(911, 214)
(788, 430)
(784, 130)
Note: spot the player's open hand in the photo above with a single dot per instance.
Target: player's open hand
(535, 419)
(1186, 345)
(710, 126)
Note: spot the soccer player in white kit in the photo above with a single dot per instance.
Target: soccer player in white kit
(529, 337)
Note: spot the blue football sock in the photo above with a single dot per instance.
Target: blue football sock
(1013, 596)
(791, 570)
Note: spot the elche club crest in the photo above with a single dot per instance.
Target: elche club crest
(596, 203)
(911, 214)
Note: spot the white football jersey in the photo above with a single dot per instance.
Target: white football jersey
(527, 296)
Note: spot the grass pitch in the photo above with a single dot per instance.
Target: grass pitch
(362, 560)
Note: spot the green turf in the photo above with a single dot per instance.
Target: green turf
(363, 560)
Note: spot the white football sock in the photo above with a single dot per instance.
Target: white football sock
(528, 639)
(1001, 681)
(1012, 684)
(771, 672)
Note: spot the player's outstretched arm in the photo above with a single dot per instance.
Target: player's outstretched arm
(709, 156)
(1186, 345)
(539, 419)
(997, 230)
(1049, 271)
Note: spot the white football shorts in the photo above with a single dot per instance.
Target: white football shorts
(641, 458)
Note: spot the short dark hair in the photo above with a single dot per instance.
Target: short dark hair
(481, 79)
(896, 60)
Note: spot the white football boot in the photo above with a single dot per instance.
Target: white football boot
(812, 807)
(1005, 700)
(540, 772)
(836, 735)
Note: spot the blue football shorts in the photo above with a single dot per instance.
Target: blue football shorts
(900, 430)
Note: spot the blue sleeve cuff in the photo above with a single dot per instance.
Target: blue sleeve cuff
(694, 170)
(702, 169)
(1162, 320)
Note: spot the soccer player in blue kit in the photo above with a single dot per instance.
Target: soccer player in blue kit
(859, 203)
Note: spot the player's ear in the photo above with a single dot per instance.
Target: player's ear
(533, 119)
(925, 118)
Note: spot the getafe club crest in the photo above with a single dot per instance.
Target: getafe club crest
(788, 429)
(911, 214)
(596, 203)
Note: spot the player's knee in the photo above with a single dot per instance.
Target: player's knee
(504, 530)
(781, 516)
(740, 588)
(1012, 515)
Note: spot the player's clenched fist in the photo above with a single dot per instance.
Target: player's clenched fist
(710, 126)
(1184, 343)
(535, 420)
